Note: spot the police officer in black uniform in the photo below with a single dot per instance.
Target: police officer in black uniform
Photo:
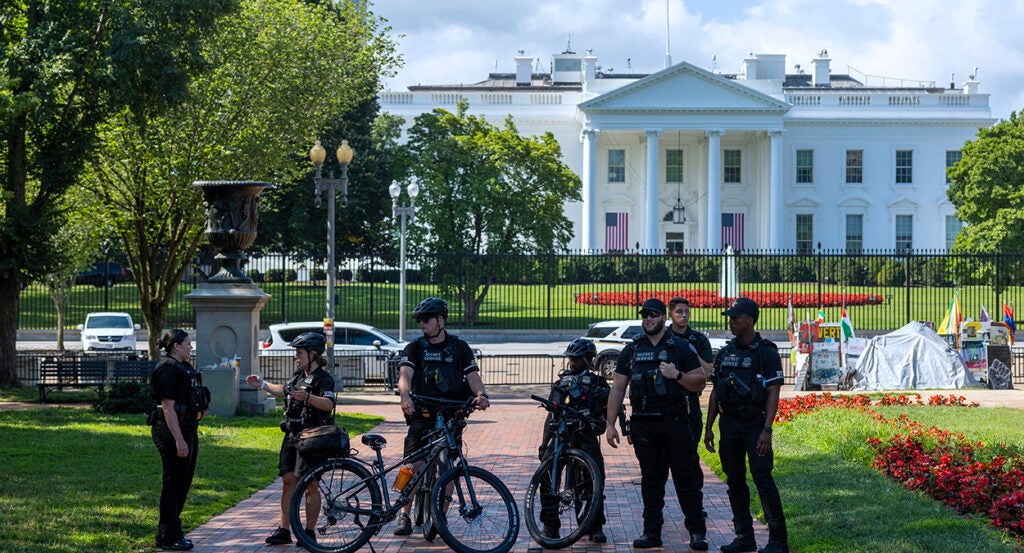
(747, 377)
(679, 312)
(308, 402)
(438, 364)
(659, 369)
(175, 431)
(579, 387)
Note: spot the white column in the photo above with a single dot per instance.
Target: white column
(775, 218)
(590, 216)
(714, 188)
(653, 181)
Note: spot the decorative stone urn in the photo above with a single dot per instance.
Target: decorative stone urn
(232, 211)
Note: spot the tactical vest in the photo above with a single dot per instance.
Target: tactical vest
(440, 374)
(648, 389)
(300, 415)
(585, 390)
(739, 388)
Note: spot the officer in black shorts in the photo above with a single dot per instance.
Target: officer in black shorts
(747, 378)
(438, 364)
(579, 387)
(308, 402)
(660, 369)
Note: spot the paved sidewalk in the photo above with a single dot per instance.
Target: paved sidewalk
(503, 440)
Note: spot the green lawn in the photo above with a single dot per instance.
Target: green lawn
(835, 502)
(527, 306)
(76, 480)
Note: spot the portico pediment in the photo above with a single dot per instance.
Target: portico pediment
(684, 88)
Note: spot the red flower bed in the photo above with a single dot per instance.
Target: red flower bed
(935, 462)
(710, 298)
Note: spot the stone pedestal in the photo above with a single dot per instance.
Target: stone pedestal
(227, 327)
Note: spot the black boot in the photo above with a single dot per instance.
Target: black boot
(647, 541)
(742, 544)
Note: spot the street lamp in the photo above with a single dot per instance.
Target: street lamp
(317, 154)
(402, 213)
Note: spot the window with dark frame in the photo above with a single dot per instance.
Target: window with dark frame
(952, 158)
(904, 166)
(953, 228)
(904, 233)
(731, 168)
(674, 166)
(805, 166)
(674, 242)
(854, 233)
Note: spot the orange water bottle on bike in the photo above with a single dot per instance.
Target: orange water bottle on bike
(404, 474)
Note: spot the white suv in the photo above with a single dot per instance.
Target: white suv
(611, 336)
(107, 331)
(364, 353)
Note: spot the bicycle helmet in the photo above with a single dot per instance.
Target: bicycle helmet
(431, 307)
(581, 347)
(310, 341)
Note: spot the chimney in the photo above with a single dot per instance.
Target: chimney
(524, 69)
(589, 66)
(971, 85)
(821, 75)
(750, 67)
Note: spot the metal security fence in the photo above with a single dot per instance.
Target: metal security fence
(883, 290)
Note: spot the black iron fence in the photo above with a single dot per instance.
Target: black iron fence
(882, 290)
(367, 371)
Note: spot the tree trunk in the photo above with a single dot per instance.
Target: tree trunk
(10, 290)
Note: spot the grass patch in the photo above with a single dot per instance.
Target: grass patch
(77, 480)
(835, 502)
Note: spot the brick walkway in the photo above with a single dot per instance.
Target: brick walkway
(503, 440)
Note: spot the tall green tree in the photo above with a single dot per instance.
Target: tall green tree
(485, 190)
(65, 68)
(987, 188)
(281, 71)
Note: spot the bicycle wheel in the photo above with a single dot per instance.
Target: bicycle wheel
(423, 513)
(342, 500)
(474, 511)
(569, 504)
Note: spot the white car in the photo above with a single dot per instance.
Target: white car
(108, 331)
(361, 351)
(611, 336)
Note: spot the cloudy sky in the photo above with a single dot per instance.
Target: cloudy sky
(460, 41)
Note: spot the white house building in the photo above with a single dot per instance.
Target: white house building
(687, 158)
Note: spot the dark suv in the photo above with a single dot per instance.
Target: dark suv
(102, 274)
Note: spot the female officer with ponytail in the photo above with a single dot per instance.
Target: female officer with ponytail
(175, 432)
(309, 402)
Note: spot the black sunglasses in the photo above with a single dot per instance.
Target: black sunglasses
(650, 314)
(423, 318)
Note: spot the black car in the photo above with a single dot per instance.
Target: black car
(102, 274)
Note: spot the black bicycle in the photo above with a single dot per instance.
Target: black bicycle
(564, 494)
(473, 511)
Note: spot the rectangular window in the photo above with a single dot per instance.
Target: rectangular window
(805, 233)
(674, 242)
(952, 158)
(904, 166)
(674, 166)
(904, 233)
(731, 166)
(854, 233)
(953, 228)
(854, 166)
(616, 165)
(805, 166)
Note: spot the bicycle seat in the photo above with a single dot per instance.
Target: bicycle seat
(375, 441)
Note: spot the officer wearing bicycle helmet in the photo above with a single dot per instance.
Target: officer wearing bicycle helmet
(579, 387)
(309, 402)
(438, 364)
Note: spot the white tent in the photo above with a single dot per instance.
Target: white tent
(911, 357)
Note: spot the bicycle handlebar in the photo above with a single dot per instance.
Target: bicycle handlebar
(454, 404)
(555, 407)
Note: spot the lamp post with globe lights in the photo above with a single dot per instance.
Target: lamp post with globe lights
(403, 214)
(331, 186)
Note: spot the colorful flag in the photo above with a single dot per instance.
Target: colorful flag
(616, 231)
(732, 230)
(821, 316)
(983, 316)
(790, 320)
(951, 321)
(1008, 319)
(847, 326)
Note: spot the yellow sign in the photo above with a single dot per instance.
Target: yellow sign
(826, 331)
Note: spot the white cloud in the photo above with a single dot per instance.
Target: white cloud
(460, 41)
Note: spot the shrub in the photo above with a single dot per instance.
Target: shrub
(317, 274)
(127, 397)
(255, 275)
